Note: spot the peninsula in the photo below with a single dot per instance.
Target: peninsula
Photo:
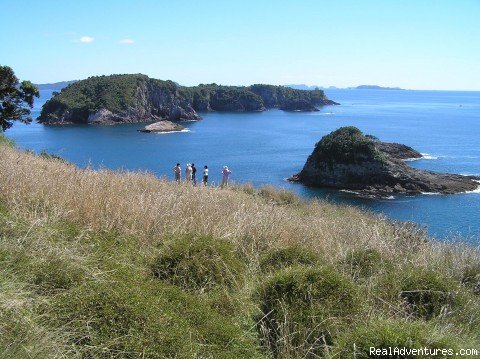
(347, 159)
(138, 98)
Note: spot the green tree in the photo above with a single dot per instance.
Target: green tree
(16, 99)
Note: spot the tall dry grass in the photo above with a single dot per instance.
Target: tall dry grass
(150, 208)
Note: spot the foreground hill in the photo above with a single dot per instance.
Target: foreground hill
(102, 264)
(138, 98)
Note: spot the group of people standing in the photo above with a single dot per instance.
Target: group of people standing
(191, 174)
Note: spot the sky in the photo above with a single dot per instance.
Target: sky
(428, 44)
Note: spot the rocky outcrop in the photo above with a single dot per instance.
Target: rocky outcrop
(138, 98)
(397, 150)
(163, 126)
(346, 159)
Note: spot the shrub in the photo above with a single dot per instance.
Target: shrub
(198, 263)
(363, 263)
(471, 278)
(423, 293)
(279, 196)
(384, 334)
(301, 307)
(426, 292)
(52, 274)
(277, 258)
(126, 317)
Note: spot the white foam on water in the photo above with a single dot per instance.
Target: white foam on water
(349, 191)
(166, 133)
(475, 190)
(431, 193)
(427, 156)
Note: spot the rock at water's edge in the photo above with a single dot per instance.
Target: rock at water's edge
(163, 126)
(347, 159)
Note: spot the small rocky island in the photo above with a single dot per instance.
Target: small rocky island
(138, 98)
(347, 159)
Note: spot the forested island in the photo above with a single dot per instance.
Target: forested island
(138, 98)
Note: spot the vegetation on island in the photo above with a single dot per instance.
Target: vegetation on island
(121, 93)
(346, 145)
(104, 264)
(16, 99)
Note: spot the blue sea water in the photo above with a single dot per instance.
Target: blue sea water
(266, 148)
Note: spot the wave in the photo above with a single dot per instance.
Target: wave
(475, 190)
(431, 193)
(349, 191)
(427, 156)
(166, 133)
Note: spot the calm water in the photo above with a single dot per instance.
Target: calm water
(265, 148)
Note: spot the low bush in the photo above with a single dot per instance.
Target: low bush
(198, 263)
(422, 293)
(427, 293)
(471, 278)
(301, 309)
(278, 258)
(363, 263)
(386, 334)
(128, 317)
(278, 196)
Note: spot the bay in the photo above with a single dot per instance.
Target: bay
(266, 148)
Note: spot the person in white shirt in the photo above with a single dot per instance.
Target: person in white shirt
(205, 175)
(225, 173)
(188, 173)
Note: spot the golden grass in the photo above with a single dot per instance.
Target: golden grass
(46, 190)
(150, 208)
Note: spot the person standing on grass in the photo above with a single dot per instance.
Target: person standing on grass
(225, 173)
(205, 175)
(194, 174)
(178, 172)
(188, 173)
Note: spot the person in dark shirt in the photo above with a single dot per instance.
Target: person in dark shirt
(194, 174)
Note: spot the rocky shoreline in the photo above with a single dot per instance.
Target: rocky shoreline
(117, 99)
(346, 159)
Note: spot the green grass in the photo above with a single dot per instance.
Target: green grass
(198, 263)
(278, 258)
(5, 141)
(385, 334)
(302, 309)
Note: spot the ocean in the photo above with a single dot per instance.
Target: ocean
(266, 148)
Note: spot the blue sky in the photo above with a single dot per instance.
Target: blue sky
(412, 44)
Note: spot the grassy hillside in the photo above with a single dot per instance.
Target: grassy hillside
(101, 264)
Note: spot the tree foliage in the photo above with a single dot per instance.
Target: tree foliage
(16, 99)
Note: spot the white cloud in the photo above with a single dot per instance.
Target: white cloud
(126, 41)
(86, 39)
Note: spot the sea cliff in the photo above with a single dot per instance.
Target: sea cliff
(138, 98)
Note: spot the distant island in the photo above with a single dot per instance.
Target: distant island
(361, 87)
(349, 160)
(376, 87)
(55, 86)
(138, 98)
